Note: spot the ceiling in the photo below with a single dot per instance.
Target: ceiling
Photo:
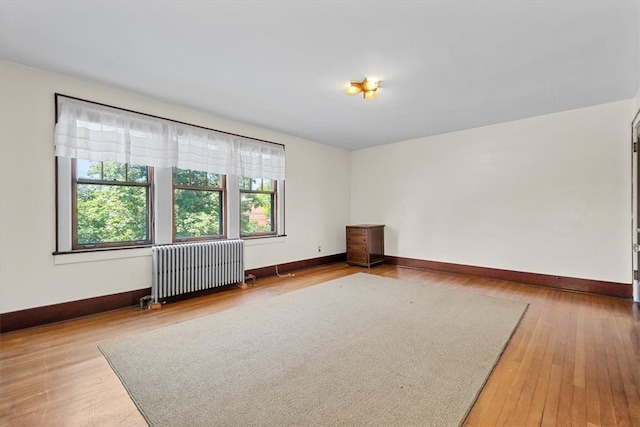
(284, 65)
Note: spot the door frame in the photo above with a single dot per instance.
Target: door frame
(635, 196)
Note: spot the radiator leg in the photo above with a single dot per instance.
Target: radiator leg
(145, 301)
(251, 277)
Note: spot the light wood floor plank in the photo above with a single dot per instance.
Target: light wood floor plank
(605, 391)
(591, 375)
(535, 406)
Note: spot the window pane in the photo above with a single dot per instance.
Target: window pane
(137, 173)
(245, 183)
(180, 176)
(256, 184)
(214, 180)
(113, 171)
(87, 169)
(111, 213)
(197, 213)
(257, 213)
(198, 179)
(267, 185)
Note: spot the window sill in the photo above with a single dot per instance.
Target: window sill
(92, 255)
(264, 240)
(105, 254)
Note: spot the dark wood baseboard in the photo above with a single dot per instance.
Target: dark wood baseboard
(297, 265)
(622, 290)
(69, 310)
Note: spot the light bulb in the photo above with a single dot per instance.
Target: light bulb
(370, 94)
(370, 83)
(353, 88)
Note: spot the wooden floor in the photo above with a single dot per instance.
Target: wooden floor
(574, 359)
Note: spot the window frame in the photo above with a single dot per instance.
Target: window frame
(149, 185)
(223, 206)
(275, 225)
(160, 195)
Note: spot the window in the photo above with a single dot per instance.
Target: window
(198, 205)
(257, 206)
(111, 204)
(125, 179)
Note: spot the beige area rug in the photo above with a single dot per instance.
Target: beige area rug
(359, 350)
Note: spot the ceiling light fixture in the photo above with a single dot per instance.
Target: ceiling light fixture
(368, 87)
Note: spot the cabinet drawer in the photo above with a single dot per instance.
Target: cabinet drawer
(357, 257)
(357, 239)
(357, 248)
(357, 231)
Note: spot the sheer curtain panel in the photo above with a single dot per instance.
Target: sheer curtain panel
(85, 130)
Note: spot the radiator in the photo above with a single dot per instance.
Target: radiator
(183, 268)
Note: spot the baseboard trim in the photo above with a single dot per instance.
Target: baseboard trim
(69, 310)
(622, 290)
(297, 265)
(38, 316)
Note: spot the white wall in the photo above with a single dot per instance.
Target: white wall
(317, 196)
(549, 194)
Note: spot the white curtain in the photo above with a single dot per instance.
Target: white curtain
(95, 132)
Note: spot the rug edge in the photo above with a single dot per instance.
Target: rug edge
(135, 401)
(495, 363)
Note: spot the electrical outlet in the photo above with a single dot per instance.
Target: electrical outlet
(319, 248)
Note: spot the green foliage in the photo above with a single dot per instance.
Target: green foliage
(137, 173)
(255, 184)
(197, 213)
(256, 213)
(111, 213)
(256, 209)
(192, 178)
(118, 213)
(181, 176)
(111, 171)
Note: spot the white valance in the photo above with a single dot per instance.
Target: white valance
(100, 133)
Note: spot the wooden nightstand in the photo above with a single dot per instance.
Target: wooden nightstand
(365, 244)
